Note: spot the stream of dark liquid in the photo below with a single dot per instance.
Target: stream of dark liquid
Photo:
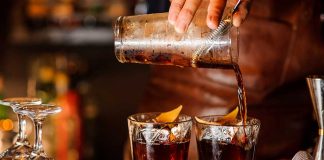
(241, 93)
(146, 57)
(216, 150)
(240, 89)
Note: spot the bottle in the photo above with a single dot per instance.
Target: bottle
(151, 39)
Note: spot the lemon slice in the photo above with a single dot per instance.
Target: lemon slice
(169, 116)
(227, 118)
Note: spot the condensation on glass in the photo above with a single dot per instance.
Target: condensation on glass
(151, 39)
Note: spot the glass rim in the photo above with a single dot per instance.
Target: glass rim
(46, 107)
(158, 123)
(118, 30)
(20, 100)
(234, 35)
(257, 121)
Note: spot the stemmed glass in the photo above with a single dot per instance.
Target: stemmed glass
(38, 113)
(21, 148)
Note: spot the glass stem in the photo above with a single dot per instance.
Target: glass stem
(22, 136)
(38, 146)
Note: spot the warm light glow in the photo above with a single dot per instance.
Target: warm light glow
(7, 124)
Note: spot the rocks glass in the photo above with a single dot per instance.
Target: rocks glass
(218, 141)
(151, 140)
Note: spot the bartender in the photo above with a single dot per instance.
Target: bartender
(281, 42)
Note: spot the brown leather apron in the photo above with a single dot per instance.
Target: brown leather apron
(280, 43)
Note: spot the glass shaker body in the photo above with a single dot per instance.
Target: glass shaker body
(151, 39)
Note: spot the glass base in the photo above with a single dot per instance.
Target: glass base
(17, 151)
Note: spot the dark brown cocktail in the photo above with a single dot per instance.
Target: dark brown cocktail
(153, 140)
(230, 141)
(143, 151)
(214, 150)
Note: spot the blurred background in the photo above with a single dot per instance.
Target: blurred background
(62, 51)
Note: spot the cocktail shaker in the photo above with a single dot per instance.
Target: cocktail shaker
(151, 39)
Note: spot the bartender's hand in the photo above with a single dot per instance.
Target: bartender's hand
(182, 11)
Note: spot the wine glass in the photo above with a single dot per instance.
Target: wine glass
(21, 148)
(38, 113)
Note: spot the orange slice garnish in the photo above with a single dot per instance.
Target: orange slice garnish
(230, 117)
(169, 116)
(206, 122)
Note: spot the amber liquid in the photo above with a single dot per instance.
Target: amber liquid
(139, 56)
(214, 150)
(172, 151)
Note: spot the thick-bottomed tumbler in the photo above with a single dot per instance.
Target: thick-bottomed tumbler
(151, 140)
(230, 141)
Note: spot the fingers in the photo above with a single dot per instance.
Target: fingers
(182, 12)
(175, 8)
(215, 11)
(186, 15)
(182, 17)
(242, 12)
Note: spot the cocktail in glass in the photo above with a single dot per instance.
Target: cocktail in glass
(152, 140)
(226, 140)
